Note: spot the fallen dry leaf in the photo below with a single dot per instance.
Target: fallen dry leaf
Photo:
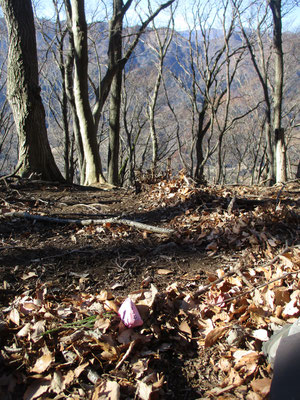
(162, 271)
(14, 316)
(234, 379)
(107, 390)
(253, 396)
(37, 389)
(185, 328)
(248, 364)
(24, 331)
(217, 391)
(111, 305)
(58, 383)
(42, 363)
(260, 334)
(31, 274)
(37, 330)
(261, 386)
(214, 335)
(145, 391)
(78, 371)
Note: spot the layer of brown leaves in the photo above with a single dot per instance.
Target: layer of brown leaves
(77, 347)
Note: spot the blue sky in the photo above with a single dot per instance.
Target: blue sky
(292, 22)
(95, 9)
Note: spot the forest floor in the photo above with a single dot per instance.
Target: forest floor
(210, 291)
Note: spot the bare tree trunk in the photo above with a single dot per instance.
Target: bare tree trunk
(93, 171)
(114, 130)
(201, 132)
(62, 65)
(115, 55)
(280, 149)
(70, 94)
(76, 127)
(151, 113)
(35, 156)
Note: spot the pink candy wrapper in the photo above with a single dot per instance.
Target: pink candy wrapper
(129, 314)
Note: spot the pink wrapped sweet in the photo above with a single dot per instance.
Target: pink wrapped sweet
(129, 314)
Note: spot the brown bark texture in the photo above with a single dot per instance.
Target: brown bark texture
(23, 92)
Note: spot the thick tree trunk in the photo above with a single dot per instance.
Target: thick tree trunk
(69, 67)
(23, 91)
(275, 6)
(115, 55)
(88, 131)
(75, 121)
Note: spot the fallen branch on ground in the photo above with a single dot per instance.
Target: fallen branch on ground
(86, 222)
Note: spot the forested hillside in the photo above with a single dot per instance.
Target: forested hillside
(190, 100)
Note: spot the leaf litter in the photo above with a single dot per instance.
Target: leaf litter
(81, 344)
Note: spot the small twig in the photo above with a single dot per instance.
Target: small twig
(42, 201)
(244, 279)
(254, 288)
(91, 206)
(209, 285)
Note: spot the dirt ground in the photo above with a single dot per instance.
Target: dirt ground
(71, 258)
(114, 255)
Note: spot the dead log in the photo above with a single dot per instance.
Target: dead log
(85, 222)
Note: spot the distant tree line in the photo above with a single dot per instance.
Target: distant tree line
(109, 101)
